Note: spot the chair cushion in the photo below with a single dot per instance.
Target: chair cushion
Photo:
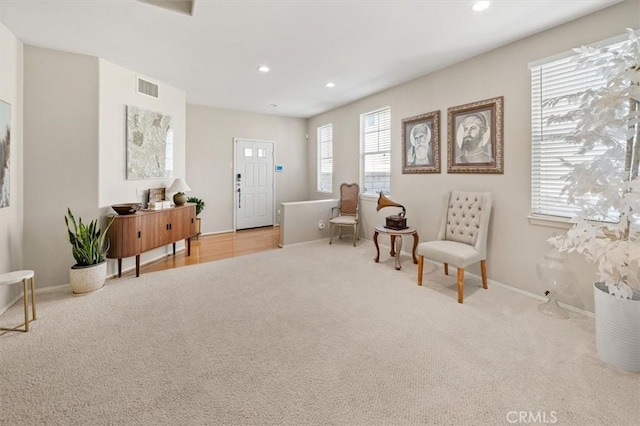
(344, 220)
(459, 255)
(463, 217)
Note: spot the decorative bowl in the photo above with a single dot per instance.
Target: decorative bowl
(126, 208)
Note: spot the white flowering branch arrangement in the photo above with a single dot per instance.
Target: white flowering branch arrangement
(607, 188)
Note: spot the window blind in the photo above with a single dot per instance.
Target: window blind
(550, 80)
(375, 152)
(325, 158)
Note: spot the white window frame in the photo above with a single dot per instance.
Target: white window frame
(552, 77)
(382, 134)
(324, 140)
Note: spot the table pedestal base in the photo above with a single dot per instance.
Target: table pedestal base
(396, 243)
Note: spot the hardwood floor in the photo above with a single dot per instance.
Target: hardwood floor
(208, 248)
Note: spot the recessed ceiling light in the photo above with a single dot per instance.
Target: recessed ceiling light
(330, 84)
(263, 68)
(480, 5)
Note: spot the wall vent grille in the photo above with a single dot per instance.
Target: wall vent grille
(147, 87)
(182, 6)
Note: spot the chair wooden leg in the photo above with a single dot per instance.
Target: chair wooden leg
(483, 267)
(446, 269)
(420, 264)
(460, 284)
(331, 233)
(355, 234)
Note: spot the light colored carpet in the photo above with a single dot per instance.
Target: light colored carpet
(312, 334)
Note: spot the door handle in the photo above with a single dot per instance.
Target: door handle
(239, 197)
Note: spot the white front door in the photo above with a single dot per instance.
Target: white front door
(253, 183)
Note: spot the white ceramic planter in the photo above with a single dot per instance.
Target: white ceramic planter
(617, 329)
(85, 279)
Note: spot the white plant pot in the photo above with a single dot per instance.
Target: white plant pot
(85, 279)
(617, 328)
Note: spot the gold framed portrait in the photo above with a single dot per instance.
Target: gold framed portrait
(475, 137)
(421, 143)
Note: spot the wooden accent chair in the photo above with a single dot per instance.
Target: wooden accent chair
(346, 212)
(462, 239)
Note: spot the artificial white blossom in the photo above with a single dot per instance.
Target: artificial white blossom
(606, 188)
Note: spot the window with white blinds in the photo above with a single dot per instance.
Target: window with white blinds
(550, 80)
(325, 158)
(375, 152)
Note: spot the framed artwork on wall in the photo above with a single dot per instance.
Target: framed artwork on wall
(5, 158)
(421, 143)
(149, 144)
(475, 137)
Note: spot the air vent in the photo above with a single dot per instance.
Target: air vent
(147, 87)
(182, 6)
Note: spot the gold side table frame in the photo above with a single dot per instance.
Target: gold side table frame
(26, 277)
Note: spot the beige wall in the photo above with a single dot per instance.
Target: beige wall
(117, 88)
(73, 149)
(210, 134)
(61, 155)
(75, 146)
(300, 221)
(11, 221)
(515, 245)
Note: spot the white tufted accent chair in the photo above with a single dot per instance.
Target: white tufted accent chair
(462, 240)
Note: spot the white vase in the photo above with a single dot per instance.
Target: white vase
(85, 279)
(617, 328)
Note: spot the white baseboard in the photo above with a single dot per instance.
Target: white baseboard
(217, 232)
(10, 304)
(520, 291)
(490, 281)
(515, 289)
(48, 289)
(42, 290)
(302, 243)
(148, 261)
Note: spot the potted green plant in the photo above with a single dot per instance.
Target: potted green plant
(607, 191)
(89, 246)
(199, 207)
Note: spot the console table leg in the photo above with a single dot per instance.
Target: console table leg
(189, 246)
(174, 248)
(119, 267)
(137, 265)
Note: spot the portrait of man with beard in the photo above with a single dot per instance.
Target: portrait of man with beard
(472, 139)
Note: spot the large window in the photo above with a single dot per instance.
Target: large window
(550, 79)
(325, 158)
(375, 152)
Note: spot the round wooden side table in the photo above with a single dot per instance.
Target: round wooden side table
(396, 242)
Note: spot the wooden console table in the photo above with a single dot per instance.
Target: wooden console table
(396, 242)
(133, 234)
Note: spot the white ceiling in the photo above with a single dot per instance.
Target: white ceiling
(362, 46)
